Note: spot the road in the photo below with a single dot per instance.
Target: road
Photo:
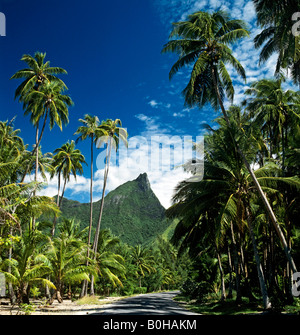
(146, 304)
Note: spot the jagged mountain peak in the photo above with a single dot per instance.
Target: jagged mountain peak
(132, 211)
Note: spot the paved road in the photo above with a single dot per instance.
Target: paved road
(146, 304)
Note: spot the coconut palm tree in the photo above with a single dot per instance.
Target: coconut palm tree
(274, 109)
(89, 128)
(225, 197)
(67, 161)
(111, 133)
(67, 260)
(110, 264)
(143, 259)
(38, 73)
(203, 40)
(276, 17)
(48, 102)
(28, 267)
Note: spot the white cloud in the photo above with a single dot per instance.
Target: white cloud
(153, 103)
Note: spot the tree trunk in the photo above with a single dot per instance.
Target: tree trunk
(37, 143)
(96, 239)
(84, 289)
(36, 164)
(63, 192)
(261, 278)
(57, 204)
(236, 267)
(256, 183)
(223, 295)
(11, 292)
(230, 274)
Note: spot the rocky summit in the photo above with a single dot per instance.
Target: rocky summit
(132, 211)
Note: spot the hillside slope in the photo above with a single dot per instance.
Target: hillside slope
(132, 211)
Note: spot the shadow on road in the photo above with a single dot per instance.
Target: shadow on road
(147, 304)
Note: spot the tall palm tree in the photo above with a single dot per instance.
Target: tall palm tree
(89, 129)
(111, 133)
(37, 73)
(273, 109)
(66, 161)
(276, 17)
(203, 41)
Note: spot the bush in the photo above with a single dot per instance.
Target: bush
(194, 290)
(140, 290)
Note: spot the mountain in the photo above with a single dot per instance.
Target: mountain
(132, 211)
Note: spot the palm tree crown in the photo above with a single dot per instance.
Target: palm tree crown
(36, 74)
(203, 42)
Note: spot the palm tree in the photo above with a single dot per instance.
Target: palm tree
(38, 73)
(49, 102)
(66, 161)
(276, 17)
(225, 196)
(110, 264)
(203, 41)
(273, 109)
(66, 256)
(89, 129)
(28, 267)
(109, 132)
(10, 136)
(143, 259)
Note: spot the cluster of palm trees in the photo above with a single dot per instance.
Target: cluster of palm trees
(39, 252)
(251, 174)
(43, 97)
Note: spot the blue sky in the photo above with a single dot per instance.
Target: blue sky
(112, 52)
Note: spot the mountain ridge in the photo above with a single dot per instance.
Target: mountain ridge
(132, 211)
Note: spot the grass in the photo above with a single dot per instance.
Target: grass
(213, 306)
(92, 300)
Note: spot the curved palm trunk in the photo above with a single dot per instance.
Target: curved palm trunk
(256, 183)
(96, 239)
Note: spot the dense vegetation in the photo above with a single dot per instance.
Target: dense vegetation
(239, 222)
(237, 231)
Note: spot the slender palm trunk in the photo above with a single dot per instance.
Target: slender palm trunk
(37, 143)
(63, 192)
(223, 294)
(57, 204)
(96, 239)
(11, 292)
(95, 246)
(261, 278)
(230, 274)
(236, 267)
(85, 282)
(36, 164)
(256, 183)
(59, 201)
